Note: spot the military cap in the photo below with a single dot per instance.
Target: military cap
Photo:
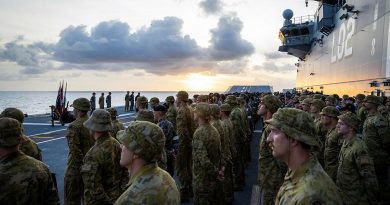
(360, 97)
(319, 104)
(203, 110)
(271, 102)
(241, 100)
(350, 119)
(14, 113)
(113, 112)
(142, 99)
(145, 115)
(306, 101)
(317, 96)
(373, 99)
(82, 104)
(345, 96)
(154, 100)
(296, 124)
(331, 98)
(100, 121)
(226, 108)
(203, 98)
(231, 100)
(170, 99)
(301, 98)
(330, 111)
(161, 108)
(215, 111)
(182, 96)
(10, 132)
(145, 139)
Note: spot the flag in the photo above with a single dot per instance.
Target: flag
(58, 100)
(64, 99)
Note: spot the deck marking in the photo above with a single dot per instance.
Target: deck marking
(50, 140)
(46, 124)
(44, 133)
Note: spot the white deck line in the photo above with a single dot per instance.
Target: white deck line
(44, 133)
(50, 140)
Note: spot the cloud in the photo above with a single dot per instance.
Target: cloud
(160, 48)
(276, 55)
(211, 6)
(275, 68)
(226, 41)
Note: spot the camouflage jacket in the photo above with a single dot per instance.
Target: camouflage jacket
(270, 170)
(229, 133)
(102, 173)
(30, 148)
(225, 147)
(355, 175)
(206, 152)
(376, 135)
(185, 125)
(333, 143)
(79, 142)
(116, 126)
(321, 132)
(25, 180)
(308, 185)
(238, 127)
(150, 185)
(171, 115)
(169, 133)
(101, 102)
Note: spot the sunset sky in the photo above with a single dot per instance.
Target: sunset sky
(147, 45)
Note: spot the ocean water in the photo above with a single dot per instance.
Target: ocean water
(38, 102)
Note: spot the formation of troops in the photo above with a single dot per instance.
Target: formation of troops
(314, 149)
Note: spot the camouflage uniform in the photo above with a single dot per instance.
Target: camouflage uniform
(24, 180)
(226, 153)
(172, 111)
(356, 175)
(170, 144)
(332, 145)
(308, 184)
(206, 150)
(239, 138)
(79, 142)
(101, 171)
(154, 102)
(376, 135)
(270, 170)
(101, 102)
(185, 127)
(27, 146)
(149, 185)
(142, 103)
(145, 115)
(116, 125)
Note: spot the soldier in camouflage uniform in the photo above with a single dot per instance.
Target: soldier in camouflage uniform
(292, 139)
(355, 175)
(79, 142)
(24, 180)
(227, 159)
(270, 170)
(154, 102)
(101, 101)
(116, 125)
(333, 140)
(245, 123)
(141, 103)
(185, 130)
(305, 104)
(207, 167)
(170, 134)
(239, 139)
(142, 143)
(360, 111)
(101, 171)
(315, 108)
(172, 112)
(330, 101)
(145, 115)
(376, 135)
(27, 146)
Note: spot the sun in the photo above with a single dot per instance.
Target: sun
(198, 82)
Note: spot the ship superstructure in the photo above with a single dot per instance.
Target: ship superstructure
(342, 48)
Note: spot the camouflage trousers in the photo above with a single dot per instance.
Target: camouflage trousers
(228, 185)
(184, 170)
(239, 168)
(209, 194)
(383, 182)
(73, 187)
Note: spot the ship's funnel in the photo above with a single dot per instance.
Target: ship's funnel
(287, 15)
